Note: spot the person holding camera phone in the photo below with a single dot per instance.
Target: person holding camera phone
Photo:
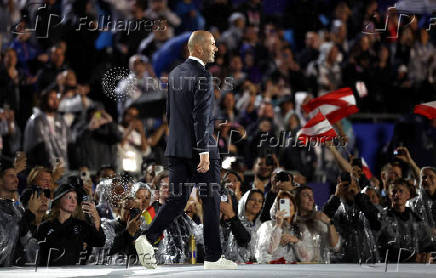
(230, 223)
(263, 168)
(64, 234)
(35, 200)
(355, 219)
(280, 180)
(278, 240)
(121, 232)
(249, 208)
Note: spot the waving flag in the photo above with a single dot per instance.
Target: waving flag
(335, 105)
(366, 169)
(426, 109)
(318, 127)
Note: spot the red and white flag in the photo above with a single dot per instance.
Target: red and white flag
(426, 109)
(335, 105)
(318, 127)
(366, 169)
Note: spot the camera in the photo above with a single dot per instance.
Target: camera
(282, 176)
(224, 192)
(345, 177)
(399, 152)
(134, 212)
(39, 190)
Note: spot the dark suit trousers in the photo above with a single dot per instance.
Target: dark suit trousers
(183, 175)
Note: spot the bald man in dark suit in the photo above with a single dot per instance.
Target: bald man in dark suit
(192, 152)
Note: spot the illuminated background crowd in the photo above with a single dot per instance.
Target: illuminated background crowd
(83, 132)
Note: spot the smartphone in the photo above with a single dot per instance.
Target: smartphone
(40, 191)
(282, 176)
(97, 115)
(134, 212)
(84, 175)
(85, 198)
(399, 152)
(284, 205)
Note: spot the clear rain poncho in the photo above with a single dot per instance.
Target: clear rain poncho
(405, 231)
(425, 207)
(16, 242)
(358, 243)
(244, 254)
(268, 246)
(314, 237)
(174, 247)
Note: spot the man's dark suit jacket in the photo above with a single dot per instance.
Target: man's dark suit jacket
(190, 105)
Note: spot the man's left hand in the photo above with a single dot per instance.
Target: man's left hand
(203, 166)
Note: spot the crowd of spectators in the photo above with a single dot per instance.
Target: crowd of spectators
(83, 173)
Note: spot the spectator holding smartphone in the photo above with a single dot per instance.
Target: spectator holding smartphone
(65, 231)
(249, 208)
(35, 201)
(121, 232)
(355, 218)
(280, 180)
(278, 238)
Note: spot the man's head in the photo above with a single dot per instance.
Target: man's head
(428, 178)
(57, 56)
(162, 183)
(389, 173)
(401, 193)
(263, 167)
(371, 192)
(8, 180)
(201, 44)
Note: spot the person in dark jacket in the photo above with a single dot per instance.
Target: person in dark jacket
(120, 233)
(405, 237)
(97, 139)
(280, 180)
(354, 218)
(35, 215)
(64, 234)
